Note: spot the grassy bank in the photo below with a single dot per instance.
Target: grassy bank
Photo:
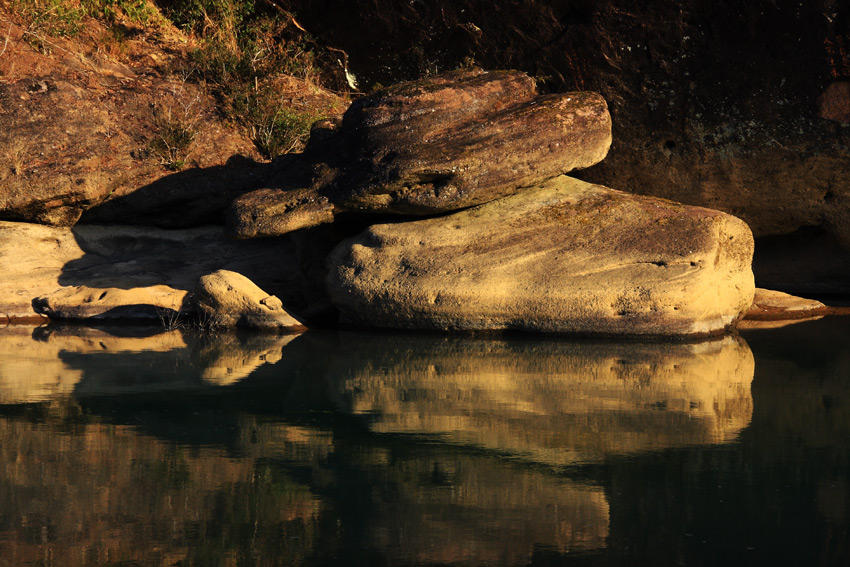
(267, 74)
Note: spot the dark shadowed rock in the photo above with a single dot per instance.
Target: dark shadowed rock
(834, 103)
(565, 256)
(416, 111)
(436, 145)
(491, 156)
(267, 212)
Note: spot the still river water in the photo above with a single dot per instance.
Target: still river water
(133, 449)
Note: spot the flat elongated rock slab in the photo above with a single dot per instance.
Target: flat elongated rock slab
(433, 146)
(564, 257)
(408, 113)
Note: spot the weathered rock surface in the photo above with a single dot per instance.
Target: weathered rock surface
(83, 302)
(777, 307)
(78, 128)
(714, 103)
(229, 299)
(566, 256)
(834, 103)
(436, 145)
(102, 271)
(769, 304)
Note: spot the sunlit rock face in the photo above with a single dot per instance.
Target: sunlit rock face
(439, 144)
(228, 299)
(75, 135)
(564, 256)
(107, 272)
(556, 403)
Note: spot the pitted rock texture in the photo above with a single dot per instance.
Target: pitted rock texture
(149, 303)
(432, 146)
(564, 257)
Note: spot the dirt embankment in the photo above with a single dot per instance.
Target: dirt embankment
(115, 117)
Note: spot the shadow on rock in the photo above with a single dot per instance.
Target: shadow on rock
(187, 198)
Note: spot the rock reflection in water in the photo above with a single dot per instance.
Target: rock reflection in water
(549, 402)
(553, 402)
(48, 361)
(31, 360)
(97, 468)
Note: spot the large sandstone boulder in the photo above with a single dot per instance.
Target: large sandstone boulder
(436, 145)
(565, 256)
(228, 299)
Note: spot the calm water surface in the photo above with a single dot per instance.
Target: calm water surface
(130, 448)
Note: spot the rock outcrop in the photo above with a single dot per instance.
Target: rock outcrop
(112, 122)
(714, 103)
(229, 299)
(151, 303)
(77, 130)
(834, 103)
(433, 146)
(771, 309)
(566, 256)
(105, 272)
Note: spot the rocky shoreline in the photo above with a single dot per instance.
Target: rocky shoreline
(478, 229)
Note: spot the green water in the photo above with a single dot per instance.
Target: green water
(125, 447)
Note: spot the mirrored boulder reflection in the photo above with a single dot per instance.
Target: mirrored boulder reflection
(551, 402)
(173, 448)
(506, 407)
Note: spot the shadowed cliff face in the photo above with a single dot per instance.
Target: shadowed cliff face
(713, 103)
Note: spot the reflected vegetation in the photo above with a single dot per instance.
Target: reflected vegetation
(141, 448)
